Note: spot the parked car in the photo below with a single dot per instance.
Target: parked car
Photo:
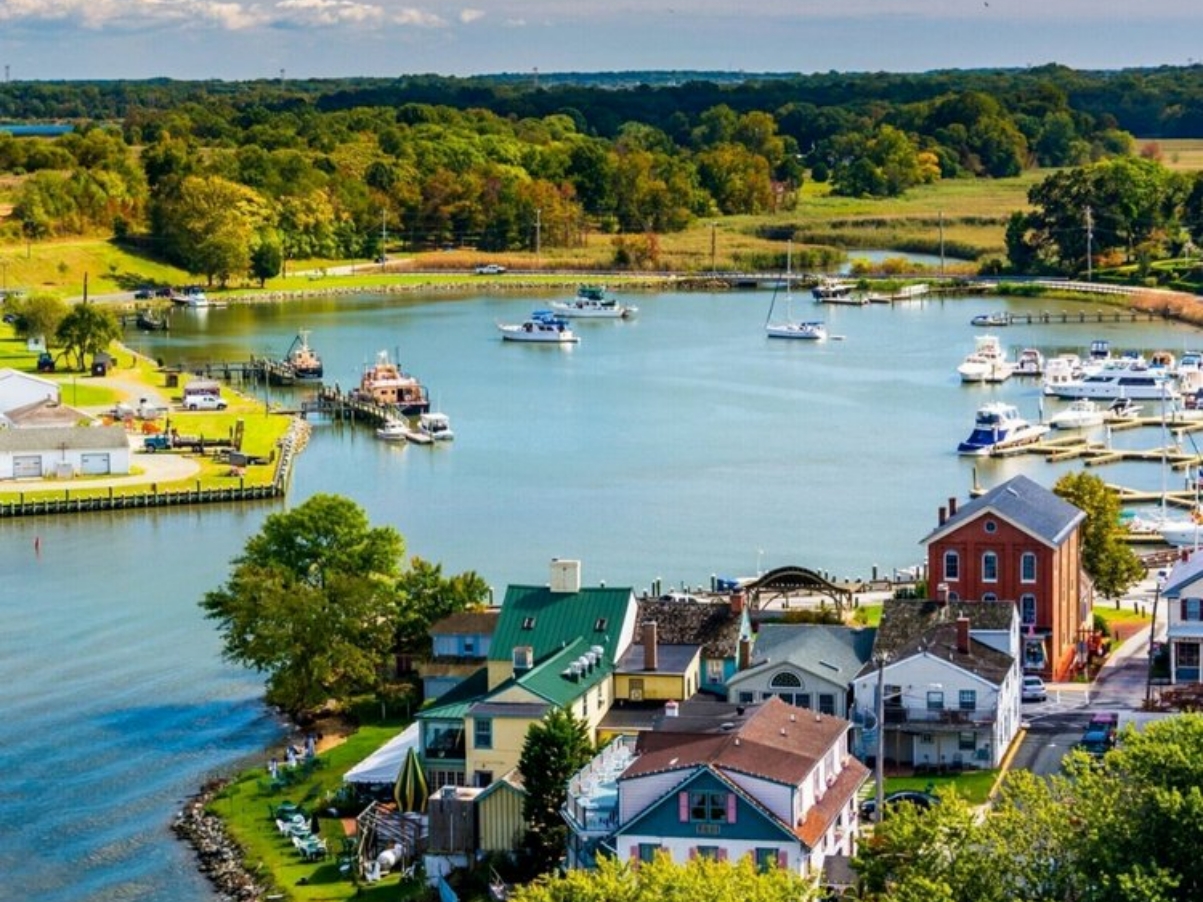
(162, 292)
(918, 798)
(144, 294)
(1033, 689)
(490, 269)
(205, 402)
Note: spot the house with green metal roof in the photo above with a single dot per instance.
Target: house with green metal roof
(555, 646)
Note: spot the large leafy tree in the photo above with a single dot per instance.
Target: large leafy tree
(426, 596)
(87, 330)
(555, 749)
(660, 880)
(1109, 561)
(310, 602)
(38, 314)
(209, 225)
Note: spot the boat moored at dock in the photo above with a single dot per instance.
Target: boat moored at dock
(386, 384)
(998, 427)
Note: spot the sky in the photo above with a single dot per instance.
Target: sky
(250, 39)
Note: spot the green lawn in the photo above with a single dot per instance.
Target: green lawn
(244, 805)
(972, 785)
(1124, 615)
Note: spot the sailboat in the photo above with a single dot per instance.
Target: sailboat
(813, 330)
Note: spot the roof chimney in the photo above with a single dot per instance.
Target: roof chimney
(651, 646)
(952, 507)
(565, 576)
(737, 602)
(671, 709)
(943, 515)
(963, 635)
(745, 654)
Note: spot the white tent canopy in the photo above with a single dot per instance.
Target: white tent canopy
(383, 765)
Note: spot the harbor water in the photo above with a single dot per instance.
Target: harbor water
(676, 446)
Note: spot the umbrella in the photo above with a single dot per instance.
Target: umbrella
(410, 789)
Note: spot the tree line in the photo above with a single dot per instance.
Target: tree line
(226, 179)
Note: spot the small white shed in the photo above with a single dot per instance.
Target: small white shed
(64, 452)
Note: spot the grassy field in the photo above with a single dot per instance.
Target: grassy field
(972, 785)
(974, 214)
(1179, 154)
(262, 429)
(244, 805)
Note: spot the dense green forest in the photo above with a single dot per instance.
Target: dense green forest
(226, 178)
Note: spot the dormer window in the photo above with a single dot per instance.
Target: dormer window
(528, 623)
(600, 626)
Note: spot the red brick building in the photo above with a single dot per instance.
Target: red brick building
(1018, 542)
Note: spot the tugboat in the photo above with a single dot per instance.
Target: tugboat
(306, 366)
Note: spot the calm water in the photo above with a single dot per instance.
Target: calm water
(679, 445)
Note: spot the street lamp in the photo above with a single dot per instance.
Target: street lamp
(1158, 585)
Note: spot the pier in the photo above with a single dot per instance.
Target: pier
(340, 405)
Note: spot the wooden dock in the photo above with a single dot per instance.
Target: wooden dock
(340, 405)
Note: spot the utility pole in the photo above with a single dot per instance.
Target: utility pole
(538, 234)
(383, 238)
(941, 244)
(1152, 643)
(713, 246)
(1089, 245)
(879, 763)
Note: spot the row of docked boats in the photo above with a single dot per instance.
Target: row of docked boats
(431, 427)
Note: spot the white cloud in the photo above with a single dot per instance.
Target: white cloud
(328, 12)
(471, 15)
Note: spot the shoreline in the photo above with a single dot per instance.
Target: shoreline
(218, 856)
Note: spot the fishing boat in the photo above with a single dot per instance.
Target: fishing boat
(385, 383)
(151, 322)
(592, 302)
(810, 330)
(998, 427)
(543, 327)
(304, 362)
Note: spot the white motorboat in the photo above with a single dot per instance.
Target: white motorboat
(436, 426)
(992, 320)
(1059, 370)
(192, 296)
(999, 427)
(1030, 362)
(987, 363)
(592, 302)
(834, 291)
(1121, 409)
(1182, 533)
(543, 327)
(1111, 383)
(1081, 414)
(393, 429)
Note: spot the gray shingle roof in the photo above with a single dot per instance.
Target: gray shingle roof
(835, 653)
(710, 624)
(910, 628)
(1025, 503)
(51, 438)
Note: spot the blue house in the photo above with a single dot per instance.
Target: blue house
(773, 783)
